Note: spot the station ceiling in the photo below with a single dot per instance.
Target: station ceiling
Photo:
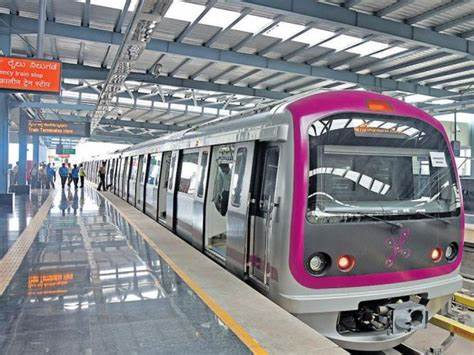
(216, 57)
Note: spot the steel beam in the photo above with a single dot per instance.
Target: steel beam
(447, 25)
(308, 10)
(121, 18)
(251, 60)
(56, 106)
(394, 7)
(190, 26)
(435, 11)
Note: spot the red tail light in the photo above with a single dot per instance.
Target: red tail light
(379, 105)
(345, 263)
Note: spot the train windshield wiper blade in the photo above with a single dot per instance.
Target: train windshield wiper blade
(390, 223)
(432, 217)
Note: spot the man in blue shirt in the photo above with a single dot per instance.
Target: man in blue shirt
(63, 174)
(75, 175)
(51, 175)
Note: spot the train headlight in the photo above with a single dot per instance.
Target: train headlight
(436, 254)
(346, 263)
(451, 251)
(317, 263)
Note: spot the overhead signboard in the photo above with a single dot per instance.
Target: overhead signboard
(30, 75)
(58, 128)
(62, 150)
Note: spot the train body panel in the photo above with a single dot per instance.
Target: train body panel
(248, 182)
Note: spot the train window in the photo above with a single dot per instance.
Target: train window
(189, 171)
(154, 170)
(356, 161)
(238, 179)
(202, 174)
(151, 195)
(171, 173)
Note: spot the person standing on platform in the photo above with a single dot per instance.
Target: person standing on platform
(75, 175)
(82, 175)
(51, 173)
(63, 174)
(102, 177)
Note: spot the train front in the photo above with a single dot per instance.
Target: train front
(377, 221)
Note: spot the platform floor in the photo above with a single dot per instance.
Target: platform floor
(14, 220)
(91, 285)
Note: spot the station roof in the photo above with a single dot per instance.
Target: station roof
(214, 57)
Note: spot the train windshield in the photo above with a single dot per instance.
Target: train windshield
(366, 167)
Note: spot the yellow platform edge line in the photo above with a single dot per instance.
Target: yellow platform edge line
(453, 326)
(465, 300)
(223, 315)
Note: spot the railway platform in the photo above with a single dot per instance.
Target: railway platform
(92, 275)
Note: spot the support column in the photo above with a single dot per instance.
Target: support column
(471, 144)
(4, 117)
(22, 148)
(36, 148)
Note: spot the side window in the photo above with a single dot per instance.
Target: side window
(224, 160)
(154, 170)
(238, 178)
(202, 173)
(189, 170)
(171, 173)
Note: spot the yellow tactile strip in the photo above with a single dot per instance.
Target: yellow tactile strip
(12, 260)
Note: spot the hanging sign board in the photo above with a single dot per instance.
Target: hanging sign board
(58, 128)
(30, 75)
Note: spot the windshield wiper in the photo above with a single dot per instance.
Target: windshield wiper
(432, 217)
(390, 223)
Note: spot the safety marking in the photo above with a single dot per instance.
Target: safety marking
(11, 261)
(453, 326)
(463, 299)
(225, 317)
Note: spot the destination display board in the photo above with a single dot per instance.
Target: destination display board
(58, 128)
(61, 150)
(30, 75)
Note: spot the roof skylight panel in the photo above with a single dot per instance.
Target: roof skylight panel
(417, 98)
(184, 11)
(252, 24)
(341, 42)
(388, 52)
(368, 48)
(314, 36)
(113, 4)
(219, 17)
(284, 30)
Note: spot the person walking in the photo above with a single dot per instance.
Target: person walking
(82, 174)
(33, 179)
(102, 177)
(63, 174)
(51, 173)
(75, 175)
(69, 174)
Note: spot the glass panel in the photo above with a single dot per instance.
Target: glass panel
(216, 210)
(355, 169)
(154, 170)
(133, 173)
(202, 174)
(270, 175)
(189, 170)
(238, 178)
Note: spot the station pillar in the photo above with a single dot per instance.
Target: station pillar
(22, 148)
(36, 150)
(4, 118)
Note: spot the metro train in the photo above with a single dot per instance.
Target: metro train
(342, 207)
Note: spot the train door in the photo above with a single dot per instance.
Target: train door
(200, 197)
(152, 185)
(262, 215)
(132, 184)
(142, 165)
(238, 209)
(171, 192)
(125, 174)
(186, 190)
(217, 201)
(162, 193)
(118, 180)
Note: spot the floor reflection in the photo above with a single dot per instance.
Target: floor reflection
(91, 284)
(14, 220)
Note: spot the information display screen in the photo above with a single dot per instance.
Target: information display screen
(58, 128)
(30, 75)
